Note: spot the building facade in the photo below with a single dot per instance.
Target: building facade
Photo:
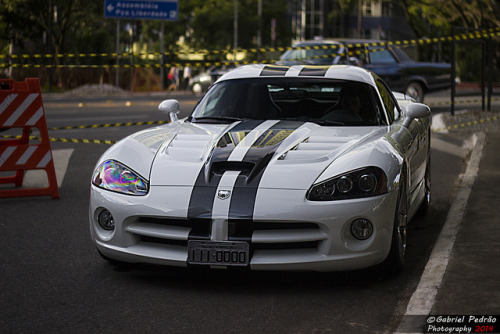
(366, 19)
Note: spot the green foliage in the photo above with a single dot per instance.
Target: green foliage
(436, 18)
(78, 26)
(429, 17)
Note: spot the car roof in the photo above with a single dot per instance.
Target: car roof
(339, 72)
(317, 42)
(338, 41)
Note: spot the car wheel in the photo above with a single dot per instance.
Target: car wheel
(415, 91)
(396, 258)
(197, 89)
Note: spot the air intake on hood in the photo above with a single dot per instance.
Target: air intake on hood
(220, 167)
(314, 148)
(188, 147)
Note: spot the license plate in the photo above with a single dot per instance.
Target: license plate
(226, 253)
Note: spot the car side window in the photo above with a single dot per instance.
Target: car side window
(389, 102)
(382, 57)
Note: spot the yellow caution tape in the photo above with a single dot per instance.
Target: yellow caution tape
(494, 32)
(68, 140)
(447, 103)
(468, 123)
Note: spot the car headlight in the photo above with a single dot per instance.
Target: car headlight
(114, 176)
(364, 182)
(205, 78)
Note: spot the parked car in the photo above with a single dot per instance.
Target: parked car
(393, 65)
(200, 83)
(277, 168)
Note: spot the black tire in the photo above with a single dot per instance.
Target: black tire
(415, 91)
(396, 258)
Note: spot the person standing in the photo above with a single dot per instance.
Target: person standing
(173, 78)
(186, 76)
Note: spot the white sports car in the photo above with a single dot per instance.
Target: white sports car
(277, 168)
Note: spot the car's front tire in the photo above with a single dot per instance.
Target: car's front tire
(415, 91)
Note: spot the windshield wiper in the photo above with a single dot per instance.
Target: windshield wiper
(215, 118)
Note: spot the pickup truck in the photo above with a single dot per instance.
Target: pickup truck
(393, 65)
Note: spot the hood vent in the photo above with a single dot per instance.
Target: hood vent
(315, 148)
(188, 146)
(220, 167)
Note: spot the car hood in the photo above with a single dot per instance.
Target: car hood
(263, 154)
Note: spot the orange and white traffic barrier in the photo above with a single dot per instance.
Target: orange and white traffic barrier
(21, 106)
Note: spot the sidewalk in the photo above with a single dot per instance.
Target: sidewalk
(471, 283)
(462, 275)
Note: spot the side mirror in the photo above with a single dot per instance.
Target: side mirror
(415, 110)
(170, 107)
(353, 61)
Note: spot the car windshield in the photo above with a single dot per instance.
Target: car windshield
(323, 54)
(322, 101)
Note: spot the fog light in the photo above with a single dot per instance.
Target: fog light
(106, 220)
(361, 228)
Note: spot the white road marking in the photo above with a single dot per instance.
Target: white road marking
(447, 147)
(38, 178)
(423, 298)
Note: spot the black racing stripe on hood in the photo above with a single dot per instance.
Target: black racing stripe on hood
(316, 71)
(205, 187)
(274, 71)
(260, 154)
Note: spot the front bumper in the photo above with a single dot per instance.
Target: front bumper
(288, 232)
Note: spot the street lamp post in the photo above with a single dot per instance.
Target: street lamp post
(259, 32)
(235, 42)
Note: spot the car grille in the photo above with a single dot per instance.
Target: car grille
(260, 235)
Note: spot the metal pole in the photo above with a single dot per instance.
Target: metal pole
(51, 17)
(322, 18)
(162, 52)
(312, 23)
(453, 71)
(303, 21)
(117, 79)
(483, 81)
(11, 51)
(490, 71)
(259, 32)
(235, 43)
(360, 13)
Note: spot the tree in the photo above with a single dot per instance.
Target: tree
(430, 16)
(55, 27)
(435, 18)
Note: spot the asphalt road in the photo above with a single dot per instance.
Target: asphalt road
(52, 279)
